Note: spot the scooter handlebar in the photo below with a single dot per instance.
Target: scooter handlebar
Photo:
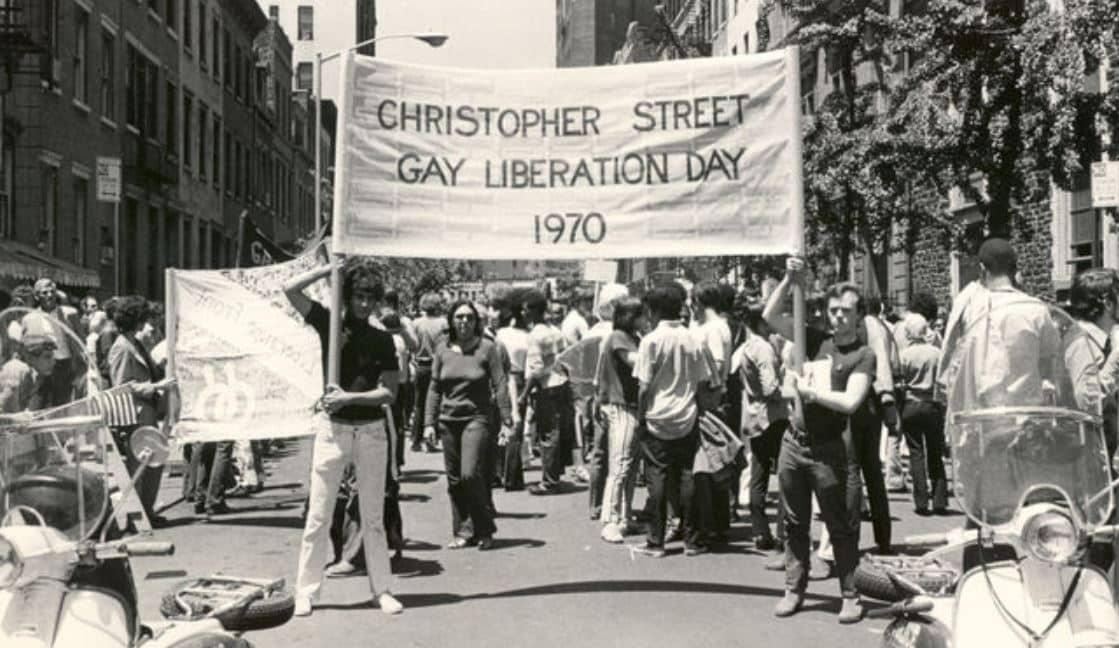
(148, 548)
(927, 539)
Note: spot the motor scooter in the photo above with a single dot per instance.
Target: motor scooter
(1032, 475)
(65, 575)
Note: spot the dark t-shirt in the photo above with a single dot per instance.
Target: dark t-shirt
(616, 384)
(821, 422)
(366, 352)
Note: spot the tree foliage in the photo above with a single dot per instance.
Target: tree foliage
(948, 92)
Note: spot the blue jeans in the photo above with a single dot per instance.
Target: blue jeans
(465, 447)
(805, 467)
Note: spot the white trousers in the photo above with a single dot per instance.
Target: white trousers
(366, 445)
(617, 493)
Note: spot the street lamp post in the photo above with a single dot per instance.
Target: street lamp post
(333, 350)
(432, 39)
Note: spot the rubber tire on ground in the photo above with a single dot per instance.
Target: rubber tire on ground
(262, 613)
(872, 580)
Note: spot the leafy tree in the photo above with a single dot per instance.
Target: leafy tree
(998, 88)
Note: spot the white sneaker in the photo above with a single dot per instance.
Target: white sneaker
(389, 605)
(612, 533)
(302, 607)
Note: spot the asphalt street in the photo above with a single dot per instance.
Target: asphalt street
(550, 582)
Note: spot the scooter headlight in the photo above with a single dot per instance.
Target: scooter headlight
(11, 564)
(1051, 536)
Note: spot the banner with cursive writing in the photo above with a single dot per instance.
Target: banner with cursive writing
(694, 157)
(247, 365)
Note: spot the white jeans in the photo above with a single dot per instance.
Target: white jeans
(337, 444)
(617, 493)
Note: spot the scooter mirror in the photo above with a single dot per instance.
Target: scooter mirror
(147, 441)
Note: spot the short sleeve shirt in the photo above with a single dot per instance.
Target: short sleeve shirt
(544, 341)
(616, 384)
(673, 365)
(846, 360)
(367, 352)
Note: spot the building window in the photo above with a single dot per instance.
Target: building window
(305, 76)
(215, 166)
(7, 173)
(49, 228)
(203, 160)
(151, 104)
(274, 12)
(81, 57)
(306, 23)
(172, 127)
(202, 34)
(237, 180)
(108, 74)
(215, 42)
(1087, 247)
(226, 56)
(51, 64)
(188, 140)
(228, 148)
(132, 89)
(187, 24)
(171, 13)
(81, 214)
(238, 73)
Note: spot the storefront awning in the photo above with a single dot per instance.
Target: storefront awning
(25, 262)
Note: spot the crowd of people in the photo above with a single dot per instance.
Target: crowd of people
(692, 392)
(682, 390)
(123, 336)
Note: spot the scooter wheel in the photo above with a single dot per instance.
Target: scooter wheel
(269, 611)
(872, 578)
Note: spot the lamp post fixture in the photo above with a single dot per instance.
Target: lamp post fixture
(334, 337)
(433, 39)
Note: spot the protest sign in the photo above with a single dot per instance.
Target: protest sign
(693, 157)
(247, 365)
(256, 249)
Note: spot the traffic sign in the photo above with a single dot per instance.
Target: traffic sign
(108, 179)
(1105, 184)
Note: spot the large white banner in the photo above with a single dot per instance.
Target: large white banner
(682, 158)
(248, 367)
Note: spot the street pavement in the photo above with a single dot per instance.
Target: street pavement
(550, 582)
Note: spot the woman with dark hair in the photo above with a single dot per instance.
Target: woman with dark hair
(130, 363)
(1093, 357)
(466, 377)
(349, 429)
(617, 396)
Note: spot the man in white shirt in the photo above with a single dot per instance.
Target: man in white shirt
(575, 326)
(670, 369)
(552, 398)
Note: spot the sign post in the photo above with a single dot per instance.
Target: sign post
(108, 190)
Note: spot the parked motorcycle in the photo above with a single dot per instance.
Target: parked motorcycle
(1031, 471)
(65, 575)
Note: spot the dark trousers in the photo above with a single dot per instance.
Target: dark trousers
(423, 384)
(864, 463)
(805, 468)
(512, 465)
(210, 463)
(764, 450)
(668, 474)
(710, 504)
(400, 410)
(599, 456)
(553, 411)
(923, 425)
(465, 444)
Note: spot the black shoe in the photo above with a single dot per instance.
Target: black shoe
(923, 511)
(765, 543)
(200, 508)
(218, 509)
(941, 510)
(650, 550)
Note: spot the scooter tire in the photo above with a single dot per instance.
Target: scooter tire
(268, 612)
(872, 579)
